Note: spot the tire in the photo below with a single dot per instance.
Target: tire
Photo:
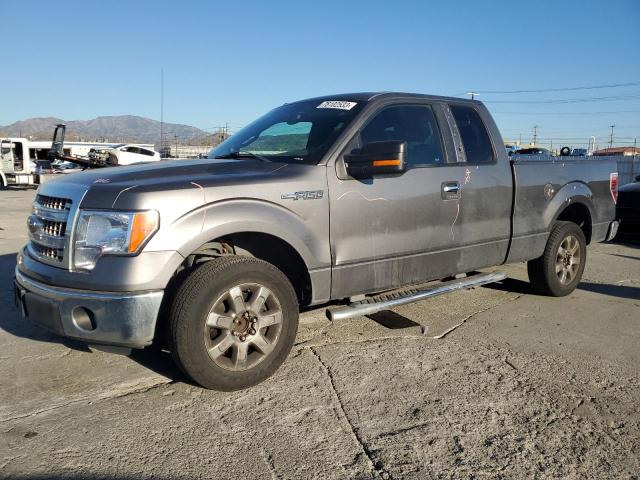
(112, 161)
(556, 272)
(210, 327)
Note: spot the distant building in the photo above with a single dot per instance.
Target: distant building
(618, 151)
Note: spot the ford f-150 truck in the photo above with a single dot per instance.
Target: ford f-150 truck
(342, 198)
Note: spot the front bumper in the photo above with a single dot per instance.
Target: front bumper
(109, 318)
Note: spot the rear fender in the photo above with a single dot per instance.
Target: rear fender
(570, 194)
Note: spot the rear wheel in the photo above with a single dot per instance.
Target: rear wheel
(559, 270)
(233, 322)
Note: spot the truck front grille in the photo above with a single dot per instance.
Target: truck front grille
(55, 254)
(55, 229)
(52, 203)
(48, 228)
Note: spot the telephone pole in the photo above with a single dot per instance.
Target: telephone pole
(535, 135)
(611, 136)
(161, 111)
(473, 94)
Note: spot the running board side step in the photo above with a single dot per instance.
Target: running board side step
(371, 305)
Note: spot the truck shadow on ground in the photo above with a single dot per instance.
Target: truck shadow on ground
(620, 291)
(519, 286)
(153, 358)
(10, 319)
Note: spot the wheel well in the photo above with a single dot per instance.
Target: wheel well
(578, 213)
(255, 244)
(260, 245)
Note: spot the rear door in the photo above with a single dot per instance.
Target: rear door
(393, 230)
(486, 187)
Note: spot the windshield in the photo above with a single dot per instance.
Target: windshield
(296, 133)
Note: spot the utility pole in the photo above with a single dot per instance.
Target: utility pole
(175, 137)
(161, 111)
(633, 159)
(611, 137)
(535, 135)
(473, 94)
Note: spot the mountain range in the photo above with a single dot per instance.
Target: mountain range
(121, 129)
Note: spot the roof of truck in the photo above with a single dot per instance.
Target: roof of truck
(367, 96)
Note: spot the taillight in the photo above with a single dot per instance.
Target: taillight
(613, 186)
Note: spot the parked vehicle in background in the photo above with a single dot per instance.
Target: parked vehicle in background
(334, 198)
(533, 151)
(125, 154)
(66, 167)
(628, 210)
(18, 157)
(15, 165)
(43, 167)
(511, 149)
(579, 152)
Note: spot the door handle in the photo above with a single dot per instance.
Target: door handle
(450, 190)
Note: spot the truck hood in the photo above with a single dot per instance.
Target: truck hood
(166, 172)
(106, 186)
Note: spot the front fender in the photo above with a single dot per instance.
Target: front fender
(309, 237)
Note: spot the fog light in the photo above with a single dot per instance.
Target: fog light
(84, 319)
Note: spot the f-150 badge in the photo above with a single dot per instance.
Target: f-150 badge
(303, 195)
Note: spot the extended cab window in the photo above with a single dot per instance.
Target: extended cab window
(475, 138)
(414, 124)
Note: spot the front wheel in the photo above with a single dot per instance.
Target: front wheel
(233, 322)
(559, 270)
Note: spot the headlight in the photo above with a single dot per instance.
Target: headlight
(111, 233)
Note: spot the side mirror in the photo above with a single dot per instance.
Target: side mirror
(376, 158)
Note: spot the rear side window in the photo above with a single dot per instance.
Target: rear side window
(475, 138)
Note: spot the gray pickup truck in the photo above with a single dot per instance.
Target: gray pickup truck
(338, 199)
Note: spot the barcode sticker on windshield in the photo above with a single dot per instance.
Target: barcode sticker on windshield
(339, 104)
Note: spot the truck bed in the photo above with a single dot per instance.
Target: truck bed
(536, 204)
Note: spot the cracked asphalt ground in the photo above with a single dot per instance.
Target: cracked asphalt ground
(524, 387)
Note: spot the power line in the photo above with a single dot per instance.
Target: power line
(568, 113)
(565, 89)
(570, 100)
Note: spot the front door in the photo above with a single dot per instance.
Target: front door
(393, 230)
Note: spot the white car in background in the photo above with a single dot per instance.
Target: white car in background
(126, 154)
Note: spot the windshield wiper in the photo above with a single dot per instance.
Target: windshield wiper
(237, 155)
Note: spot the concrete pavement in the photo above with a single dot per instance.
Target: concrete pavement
(523, 386)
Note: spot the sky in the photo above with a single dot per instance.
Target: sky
(229, 62)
